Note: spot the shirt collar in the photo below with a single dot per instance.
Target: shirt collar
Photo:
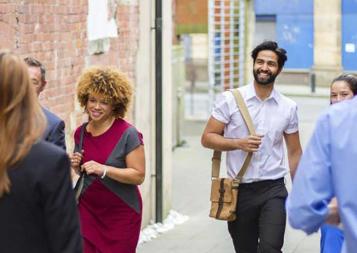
(251, 94)
(275, 95)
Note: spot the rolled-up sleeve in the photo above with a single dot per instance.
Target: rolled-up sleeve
(221, 109)
(312, 186)
(293, 125)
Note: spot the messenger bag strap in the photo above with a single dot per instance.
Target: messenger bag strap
(216, 163)
(216, 159)
(248, 121)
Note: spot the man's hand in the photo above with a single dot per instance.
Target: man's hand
(213, 138)
(250, 144)
(333, 217)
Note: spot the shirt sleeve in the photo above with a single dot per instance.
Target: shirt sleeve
(311, 192)
(293, 125)
(134, 139)
(221, 108)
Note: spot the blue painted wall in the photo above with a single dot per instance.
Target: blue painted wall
(294, 28)
(283, 6)
(349, 34)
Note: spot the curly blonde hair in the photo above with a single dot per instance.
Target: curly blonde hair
(109, 82)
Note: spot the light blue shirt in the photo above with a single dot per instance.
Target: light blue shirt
(328, 168)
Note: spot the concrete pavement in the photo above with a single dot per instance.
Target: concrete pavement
(191, 188)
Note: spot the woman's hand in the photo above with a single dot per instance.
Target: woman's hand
(94, 168)
(76, 159)
(133, 174)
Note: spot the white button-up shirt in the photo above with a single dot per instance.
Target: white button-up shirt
(272, 118)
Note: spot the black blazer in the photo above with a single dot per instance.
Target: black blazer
(55, 129)
(39, 215)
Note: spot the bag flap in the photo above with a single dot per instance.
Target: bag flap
(220, 188)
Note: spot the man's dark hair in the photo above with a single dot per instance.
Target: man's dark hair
(32, 62)
(272, 46)
(350, 79)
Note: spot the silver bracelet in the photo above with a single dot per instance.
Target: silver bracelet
(105, 172)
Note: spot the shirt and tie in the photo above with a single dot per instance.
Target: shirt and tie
(328, 168)
(272, 117)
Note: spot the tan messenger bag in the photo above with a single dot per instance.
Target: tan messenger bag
(224, 191)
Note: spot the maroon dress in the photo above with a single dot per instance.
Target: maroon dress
(110, 211)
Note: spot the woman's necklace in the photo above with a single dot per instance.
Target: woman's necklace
(99, 128)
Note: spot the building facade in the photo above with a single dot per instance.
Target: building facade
(320, 38)
(68, 36)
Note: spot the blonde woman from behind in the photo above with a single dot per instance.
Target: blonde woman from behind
(37, 207)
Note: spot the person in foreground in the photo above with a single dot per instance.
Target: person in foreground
(113, 163)
(342, 87)
(328, 169)
(37, 206)
(54, 132)
(260, 223)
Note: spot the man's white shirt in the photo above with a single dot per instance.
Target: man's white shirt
(272, 117)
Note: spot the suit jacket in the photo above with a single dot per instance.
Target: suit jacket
(55, 129)
(39, 215)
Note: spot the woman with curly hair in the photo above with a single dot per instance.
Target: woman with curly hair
(113, 161)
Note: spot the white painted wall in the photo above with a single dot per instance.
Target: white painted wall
(167, 104)
(145, 103)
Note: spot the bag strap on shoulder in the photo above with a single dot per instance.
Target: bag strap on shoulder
(80, 182)
(216, 159)
(82, 136)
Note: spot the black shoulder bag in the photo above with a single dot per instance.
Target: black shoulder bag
(79, 184)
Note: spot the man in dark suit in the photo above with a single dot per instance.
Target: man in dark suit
(55, 126)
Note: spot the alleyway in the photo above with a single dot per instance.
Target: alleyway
(191, 195)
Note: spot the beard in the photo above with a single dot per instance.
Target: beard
(264, 81)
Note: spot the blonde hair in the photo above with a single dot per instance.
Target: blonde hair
(107, 81)
(21, 118)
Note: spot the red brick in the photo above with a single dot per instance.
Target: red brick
(54, 31)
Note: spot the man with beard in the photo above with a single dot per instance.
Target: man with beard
(261, 215)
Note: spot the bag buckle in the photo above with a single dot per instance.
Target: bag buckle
(236, 182)
(222, 190)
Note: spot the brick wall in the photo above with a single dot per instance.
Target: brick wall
(191, 16)
(54, 31)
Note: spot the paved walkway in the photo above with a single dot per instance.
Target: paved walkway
(191, 197)
(191, 187)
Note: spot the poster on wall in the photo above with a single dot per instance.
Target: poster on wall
(350, 48)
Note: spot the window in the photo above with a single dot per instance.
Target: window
(101, 25)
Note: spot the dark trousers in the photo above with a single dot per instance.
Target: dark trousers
(261, 217)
